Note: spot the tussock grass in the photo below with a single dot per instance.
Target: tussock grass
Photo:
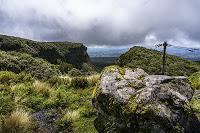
(93, 79)
(72, 115)
(18, 121)
(41, 88)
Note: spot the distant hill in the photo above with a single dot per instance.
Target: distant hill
(187, 53)
(53, 52)
(106, 52)
(150, 60)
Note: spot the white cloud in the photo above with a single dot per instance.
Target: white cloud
(103, 22)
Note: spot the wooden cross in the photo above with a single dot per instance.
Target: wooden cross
(164, 45)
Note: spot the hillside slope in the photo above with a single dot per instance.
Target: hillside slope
(151, 60)
(21, 62)
(53, 52)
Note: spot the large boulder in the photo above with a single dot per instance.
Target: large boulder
(134, 101)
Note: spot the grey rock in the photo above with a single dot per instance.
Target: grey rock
(142, 102)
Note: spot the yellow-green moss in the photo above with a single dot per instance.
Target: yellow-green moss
(114, 68)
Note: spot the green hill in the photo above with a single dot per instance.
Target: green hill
(21, 62)
(53, 52)
(151, 60)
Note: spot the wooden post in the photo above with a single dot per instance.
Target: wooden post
(164, 58)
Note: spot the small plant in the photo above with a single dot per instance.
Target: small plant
(42, 88)
(18, 121)
(79, 82)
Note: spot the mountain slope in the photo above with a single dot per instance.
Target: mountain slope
(151, 60)
(21, 62)
(53, 52)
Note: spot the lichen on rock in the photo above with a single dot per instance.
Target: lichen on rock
(138, 102)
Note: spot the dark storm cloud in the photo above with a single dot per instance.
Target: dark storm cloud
(103, 22)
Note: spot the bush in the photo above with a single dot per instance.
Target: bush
(18, 121)
(79, 82)
(65, 67)
(56, 81)
(195, 80)
(65, 124)
(7, 103)
(75, 72)
(18, 62)
(7, 77)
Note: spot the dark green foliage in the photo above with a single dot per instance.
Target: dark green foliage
(65, 125)
(79, 82)
(151, 60)
(75, 72)
(65, 67)
(7, 103)
(53, 52)
(17, 62)
(56, 81)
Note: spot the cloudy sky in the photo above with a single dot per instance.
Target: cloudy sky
(103, 22)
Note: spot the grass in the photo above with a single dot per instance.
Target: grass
(18, 121)
(72, 103)
(150, 61)
(42, 88)
(53, 52)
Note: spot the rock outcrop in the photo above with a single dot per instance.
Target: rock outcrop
(137, 102)
(53, 52)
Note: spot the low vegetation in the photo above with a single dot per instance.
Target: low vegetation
(195, 80)
(43, 84)
(151, 60)
(54, 52)
(21, 62)
(22, 96)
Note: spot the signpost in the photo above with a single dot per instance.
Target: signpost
(164, 45)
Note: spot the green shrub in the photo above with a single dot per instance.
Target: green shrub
(79, 82)
(195, 80)
(7, 103)
(56, 81)
(18, 62)
(75, 72)
(7, 77)
(65, 124)
(65, 67)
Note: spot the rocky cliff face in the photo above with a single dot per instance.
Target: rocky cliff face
(134, 101)
(53, 52)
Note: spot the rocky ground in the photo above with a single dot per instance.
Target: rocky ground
(137, 102)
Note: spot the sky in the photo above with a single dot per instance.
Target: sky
(109, 23)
